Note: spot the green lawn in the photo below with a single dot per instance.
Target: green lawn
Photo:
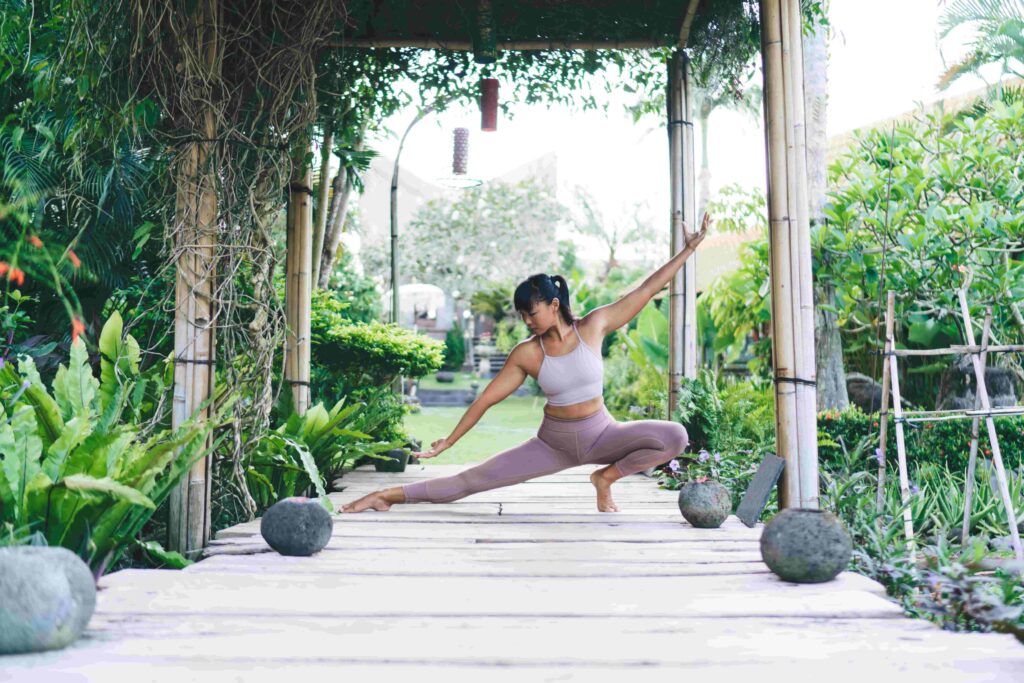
(462, 380)
(507, 424)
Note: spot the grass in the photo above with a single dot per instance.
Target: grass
(507, 424)
(462, 380)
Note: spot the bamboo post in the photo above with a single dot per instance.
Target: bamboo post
(676, 297)
(901, 448)
(320, 219)
(883, 410)
(972, 462)
(792, 301)
(298, 283)
(689, 269)
(993, 438)
(195, 235)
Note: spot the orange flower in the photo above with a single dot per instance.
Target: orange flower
(35, 241)
(17, 276)
(77, 328)
(75, 261)
(4, 267)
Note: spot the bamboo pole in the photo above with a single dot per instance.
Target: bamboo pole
(195, 232)
(901, 453)
(689, 207)
(793, 365)
(972, 462)
(883, 412)
(320, 219)
(676, 297)
(993, 438)
(298, 283)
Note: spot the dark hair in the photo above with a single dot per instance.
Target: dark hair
(541, 287)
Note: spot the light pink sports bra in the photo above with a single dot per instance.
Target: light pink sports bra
(573, 377)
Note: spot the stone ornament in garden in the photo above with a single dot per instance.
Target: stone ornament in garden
(806, 546)
(705, 503)
(47, 597)
(297, 526)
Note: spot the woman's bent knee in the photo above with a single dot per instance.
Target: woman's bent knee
(677, 439)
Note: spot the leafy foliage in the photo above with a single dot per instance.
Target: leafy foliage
(78, 463)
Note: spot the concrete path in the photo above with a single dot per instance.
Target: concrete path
(521, 584)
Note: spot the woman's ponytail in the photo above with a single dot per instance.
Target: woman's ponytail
(563, 297)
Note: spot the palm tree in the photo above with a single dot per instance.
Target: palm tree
(747, 101)
(999, 36)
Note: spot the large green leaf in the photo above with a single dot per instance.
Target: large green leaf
(82, 482)
(75, 432)
(119, 361)
(20, 449)
(74, 387)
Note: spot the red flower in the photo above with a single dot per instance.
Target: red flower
(4, 267)
(17, 276)
(77, 328)
(75, 261)
(35, 241)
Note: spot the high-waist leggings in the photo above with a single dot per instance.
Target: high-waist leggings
(560, 444)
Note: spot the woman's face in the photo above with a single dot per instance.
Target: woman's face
(541, 316)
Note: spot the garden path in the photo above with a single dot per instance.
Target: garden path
(525, 583)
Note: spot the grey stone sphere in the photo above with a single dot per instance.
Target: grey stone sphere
(806, 546)
(47, 597)
(705, 505)
(297, 526)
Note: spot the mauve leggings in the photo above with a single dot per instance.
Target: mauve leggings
(560, 444)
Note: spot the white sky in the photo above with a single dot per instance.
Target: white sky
(884, 59)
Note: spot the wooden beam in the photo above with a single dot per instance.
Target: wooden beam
(684, 31)
(195, 237)
(503, 46)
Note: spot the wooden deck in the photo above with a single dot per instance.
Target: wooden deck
(521, 584)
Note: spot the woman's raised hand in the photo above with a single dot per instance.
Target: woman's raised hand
(692, 239)
(435, 449)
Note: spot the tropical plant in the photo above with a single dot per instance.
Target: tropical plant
(454, 348)
(79, 464)
(998, 27)
(297, 457)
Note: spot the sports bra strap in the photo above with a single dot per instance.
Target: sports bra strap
(577, 332)
(541, 340)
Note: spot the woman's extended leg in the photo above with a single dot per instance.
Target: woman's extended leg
(530, 459)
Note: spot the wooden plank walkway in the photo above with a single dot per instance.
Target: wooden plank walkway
(526, 583)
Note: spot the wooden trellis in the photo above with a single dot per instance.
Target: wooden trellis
(982, 409)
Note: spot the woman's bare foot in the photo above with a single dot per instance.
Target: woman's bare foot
(599, 478)
(378, 500)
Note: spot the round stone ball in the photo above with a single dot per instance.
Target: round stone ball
(705, 504)
(297, 526)
(806, 546)
(47, 597)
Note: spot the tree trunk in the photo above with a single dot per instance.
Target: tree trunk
(705, 168)
(828, 344)
(341, 191)
(320, 219)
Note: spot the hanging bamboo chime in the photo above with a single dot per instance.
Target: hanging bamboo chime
(460, 151)
(485, 38)
(488, 104)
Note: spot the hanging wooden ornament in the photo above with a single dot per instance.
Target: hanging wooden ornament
(489, 104)
(460, 152)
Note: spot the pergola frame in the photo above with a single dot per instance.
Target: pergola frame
(792, 304)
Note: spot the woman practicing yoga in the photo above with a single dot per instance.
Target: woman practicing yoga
(564, 355)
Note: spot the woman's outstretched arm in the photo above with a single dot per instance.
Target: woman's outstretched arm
(509, 378)
(611, 317)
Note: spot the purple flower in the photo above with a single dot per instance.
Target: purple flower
(703, 455)
(914, 490)
(673, 465)
(718, 457)
(878, 456)
(26, 384)
(2, 363)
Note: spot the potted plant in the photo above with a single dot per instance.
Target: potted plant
(703, 501)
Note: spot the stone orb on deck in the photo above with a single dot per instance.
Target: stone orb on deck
(297, 526)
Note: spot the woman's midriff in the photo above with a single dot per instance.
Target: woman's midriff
(576, 410)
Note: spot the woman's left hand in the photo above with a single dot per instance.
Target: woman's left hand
(692, 239)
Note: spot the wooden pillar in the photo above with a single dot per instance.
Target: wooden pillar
(683, 288)
(792, 299)
(195, 241)
(299, 282)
